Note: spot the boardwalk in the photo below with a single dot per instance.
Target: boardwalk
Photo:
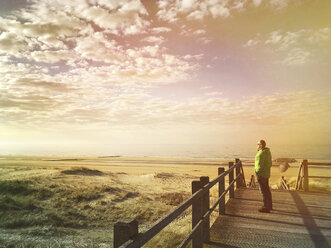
(298, 220)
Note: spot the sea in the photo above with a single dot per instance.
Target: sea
(226, 151)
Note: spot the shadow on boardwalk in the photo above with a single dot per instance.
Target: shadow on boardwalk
(308, 219)
(298, 220)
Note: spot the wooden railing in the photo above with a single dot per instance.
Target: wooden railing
(302, 181)
(126, 234)
(283, 184)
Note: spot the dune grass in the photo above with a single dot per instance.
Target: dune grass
(75, 203)
(66, 206)
(321, 185)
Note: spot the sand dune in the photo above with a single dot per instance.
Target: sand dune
(75, 202)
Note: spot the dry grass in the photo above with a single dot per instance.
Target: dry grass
(59, 204)
(321, 185)
(76, 202)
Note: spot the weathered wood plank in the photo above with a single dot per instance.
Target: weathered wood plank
(315, 163)
(221, 189)
(305, 176)
(231, 178)
(298, 219)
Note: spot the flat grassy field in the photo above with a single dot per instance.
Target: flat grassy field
(74, 202)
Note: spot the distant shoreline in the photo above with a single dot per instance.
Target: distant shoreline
(111, 159)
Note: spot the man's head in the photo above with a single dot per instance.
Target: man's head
(261, 144)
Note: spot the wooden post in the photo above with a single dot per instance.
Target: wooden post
(205, 209)
(231, 191)
(305, 174)
(301, 183)
(239, 180)
(243, 175)
(124, 231)
(252, 182)
(297, 183)
(283, 184)
(196, 215)
(221, 188)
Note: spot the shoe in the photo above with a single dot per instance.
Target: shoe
(264, 210)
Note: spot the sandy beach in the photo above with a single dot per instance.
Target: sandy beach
(50, 200)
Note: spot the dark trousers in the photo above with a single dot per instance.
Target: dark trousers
(265, 190)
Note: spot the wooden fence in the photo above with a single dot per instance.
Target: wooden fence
(126, 234)
(283, 184)
(302, 181)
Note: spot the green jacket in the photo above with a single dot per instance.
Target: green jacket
(263, 163)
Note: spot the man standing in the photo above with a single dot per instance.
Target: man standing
(263, 164)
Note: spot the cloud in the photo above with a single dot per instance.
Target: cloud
(197, 15)
(239, 5)
(168, 15)
(252, 42)
(12, 44)
(297, 56)
(214, 93)
(275, 38)
(279, 4)
(63, 104)
(74, 17)
(199, 32)
(175, 11)
(95, 63)
(206, 87)
(152, 51)
(274, 4)
(320, 36)
(187, 5)
(35, 84)
(89, 37)
(160, 30)
(219, 10)
(148, 65)
(203, 40)
(52, 56)
(192, 9)
(195, 57)
(43, 33)
(98, 48)
(295, 47)
(257, 3)
(117, 16)
(154, 39)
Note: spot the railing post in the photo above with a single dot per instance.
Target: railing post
(239, 180)
(305, 175)
(231, 191)
(252, 182)
(205, 209)
(297, 183)
(124, 231)
(221, 189)
(243, 175)
(196, 215)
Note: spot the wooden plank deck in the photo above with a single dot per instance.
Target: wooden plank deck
(298, 219)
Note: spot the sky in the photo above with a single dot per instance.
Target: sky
(99, 72)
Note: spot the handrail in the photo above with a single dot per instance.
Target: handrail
(302, 181)
(208, 213)
(283, 184)
(163, 222)
(143, 238)
(223, 194)
(197, 227)
(319, 163)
